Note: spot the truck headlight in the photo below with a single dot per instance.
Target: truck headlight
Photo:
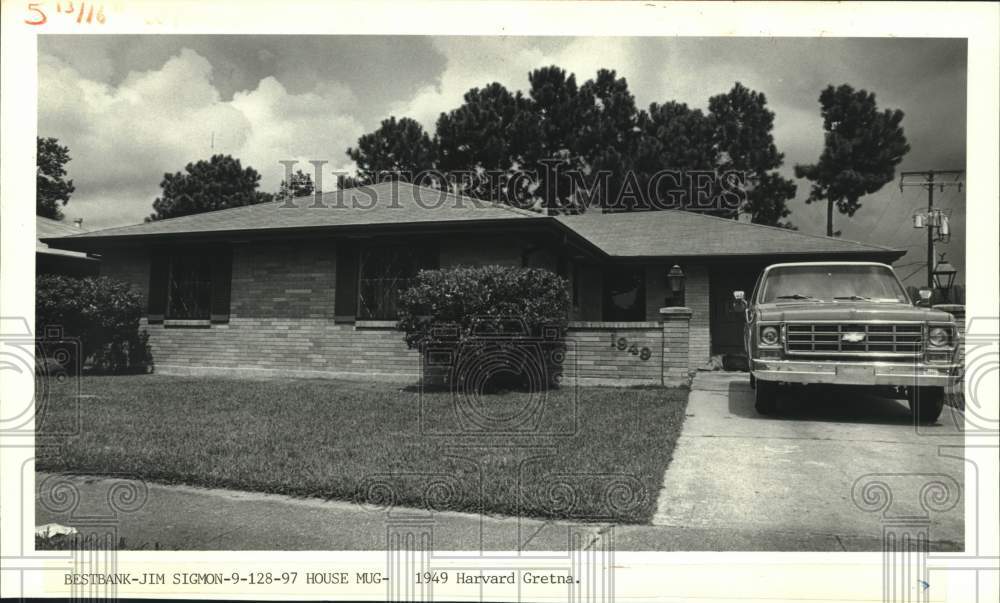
(769, 335)
(939, 337)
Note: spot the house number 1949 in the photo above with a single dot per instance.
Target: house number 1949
(622, 345)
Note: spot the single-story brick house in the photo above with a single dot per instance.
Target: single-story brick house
(309, 288)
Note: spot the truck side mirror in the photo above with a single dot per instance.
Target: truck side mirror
(925, 296)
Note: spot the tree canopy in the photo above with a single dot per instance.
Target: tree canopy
(862, 148)
(52, 189)
(219, 183)
(395, 147)
(742, 125)
(566, 146)
(301, 185)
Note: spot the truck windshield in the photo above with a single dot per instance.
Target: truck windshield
(832, 283)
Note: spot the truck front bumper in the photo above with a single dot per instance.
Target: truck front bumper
(837, 372)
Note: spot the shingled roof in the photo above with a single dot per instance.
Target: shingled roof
(676, 233)
(380, 204)
(387, 205)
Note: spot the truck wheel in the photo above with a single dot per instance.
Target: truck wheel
(766, 397)
(926, 403)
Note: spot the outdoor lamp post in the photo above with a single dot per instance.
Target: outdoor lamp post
(675, 279)
(944, 276)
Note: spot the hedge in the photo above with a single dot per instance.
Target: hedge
(93, 319)
(488, 320)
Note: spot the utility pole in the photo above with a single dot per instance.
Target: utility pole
(930, 231)
(936, 220)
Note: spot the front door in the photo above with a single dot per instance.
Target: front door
(726, 323)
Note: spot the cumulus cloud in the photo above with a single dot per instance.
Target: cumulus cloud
(123, 138)
(508, 60)
(311, 126)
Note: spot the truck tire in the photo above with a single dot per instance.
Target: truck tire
(926, 403)
(765, 397)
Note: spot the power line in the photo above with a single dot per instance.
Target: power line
(895, 231)
(885, 208)
(917, 271)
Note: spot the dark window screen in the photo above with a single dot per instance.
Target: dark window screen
(189, 288)
(386, 271)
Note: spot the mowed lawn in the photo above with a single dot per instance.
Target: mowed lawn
(579, 453)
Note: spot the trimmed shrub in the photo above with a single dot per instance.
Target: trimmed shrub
(488, 327)
(101, 313)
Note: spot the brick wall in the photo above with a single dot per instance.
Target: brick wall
(593, 356)
(282, 309)
(282, 280)
(676, 343)
(131, 266)
(281, 321)
(696, 298)
(296, 347)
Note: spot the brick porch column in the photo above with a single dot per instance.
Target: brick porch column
(676, 323)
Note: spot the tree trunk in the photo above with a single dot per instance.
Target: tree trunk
(829, 217)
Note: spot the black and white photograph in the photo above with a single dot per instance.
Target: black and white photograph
(502, 309)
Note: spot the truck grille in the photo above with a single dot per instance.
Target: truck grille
(876, 339)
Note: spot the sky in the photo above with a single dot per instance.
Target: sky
(131, 107)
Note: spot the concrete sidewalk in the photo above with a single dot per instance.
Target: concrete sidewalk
(188, 518)
(796, 471)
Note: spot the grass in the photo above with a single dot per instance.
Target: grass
(587, 453)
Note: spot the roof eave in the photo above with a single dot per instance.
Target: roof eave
(97, 242)
(890, 255)
(72, 255)
(91, 242)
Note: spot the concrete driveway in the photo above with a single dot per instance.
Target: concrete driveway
(833, 466)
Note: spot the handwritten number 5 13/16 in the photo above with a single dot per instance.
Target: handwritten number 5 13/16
(84, 12)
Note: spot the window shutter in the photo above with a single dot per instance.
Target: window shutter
(345, 305)
(159, 271)
(222, 278)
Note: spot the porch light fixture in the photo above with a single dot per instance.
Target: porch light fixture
(675, 280)
(944, 275)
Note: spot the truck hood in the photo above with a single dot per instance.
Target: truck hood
(848, 312)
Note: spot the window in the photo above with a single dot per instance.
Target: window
(625, 294)
(189, 287)
(832, 282)
(384, 272)
(190, 284)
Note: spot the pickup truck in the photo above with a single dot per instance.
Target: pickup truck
(846, 323)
